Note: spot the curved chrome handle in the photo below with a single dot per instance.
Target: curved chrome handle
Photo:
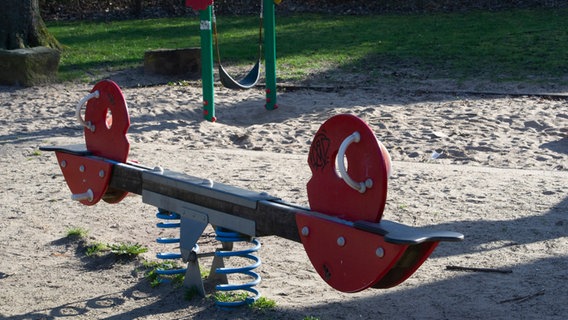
(359, 186)
(80, 105)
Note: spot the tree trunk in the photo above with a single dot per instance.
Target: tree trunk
(137, 7)
(21, 26)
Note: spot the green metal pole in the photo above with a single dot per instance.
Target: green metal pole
(207, 64)
(270, 53)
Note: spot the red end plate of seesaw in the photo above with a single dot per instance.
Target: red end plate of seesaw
(367, 159)
(348, 259)
(87, 178)
(108, 114)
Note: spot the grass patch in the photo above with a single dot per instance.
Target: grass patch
(517, 45)
(76, 233)
(95, 47)
(121, 250)
(260, 304)
(231, 296)
(152, 267)
(33, 154)
(127, 249)
(263, 304)
(510, 45)
(95, 249)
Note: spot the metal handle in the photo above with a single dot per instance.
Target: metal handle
(80, 105)
(88, 196)
(359, 186)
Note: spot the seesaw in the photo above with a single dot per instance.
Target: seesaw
(349, 244)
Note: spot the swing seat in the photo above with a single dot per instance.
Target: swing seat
(247, 82)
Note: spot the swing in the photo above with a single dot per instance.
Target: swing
(252, 77)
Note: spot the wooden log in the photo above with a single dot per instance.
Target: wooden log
(173, 62)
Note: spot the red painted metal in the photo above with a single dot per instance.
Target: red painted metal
(352, 266)
(198, 4)
(109, 114)
(327, 192)
(408, 263)
(363, 259)
(83, 174)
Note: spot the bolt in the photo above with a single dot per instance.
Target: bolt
(102, 173)
(380, 252)
(341, 241)
(192, 256)
(305, 231)
(63, 164)
(82, 168)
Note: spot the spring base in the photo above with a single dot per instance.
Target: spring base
(170, 269)
(235, 295)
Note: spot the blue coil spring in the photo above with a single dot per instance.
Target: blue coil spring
(225, 235)
(171, 221)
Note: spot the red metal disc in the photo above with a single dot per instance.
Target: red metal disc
(367, 159)
(348, 259)
(109, 114)
(84, 175)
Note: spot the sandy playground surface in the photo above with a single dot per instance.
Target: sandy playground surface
(501, 180)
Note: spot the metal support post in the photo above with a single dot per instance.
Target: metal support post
(270, 53)
(207, 64)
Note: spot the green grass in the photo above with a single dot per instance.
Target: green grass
(261, 304)
(95, 249)
(92, 47)
(517, 45)
(155, 279)
(126, 250)
(76, 233)
(230, 296)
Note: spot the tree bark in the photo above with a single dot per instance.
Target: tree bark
(137, 7)
(21, 26)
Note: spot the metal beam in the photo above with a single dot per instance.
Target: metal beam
(271, 215)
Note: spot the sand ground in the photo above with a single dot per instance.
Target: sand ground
(500, 178)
